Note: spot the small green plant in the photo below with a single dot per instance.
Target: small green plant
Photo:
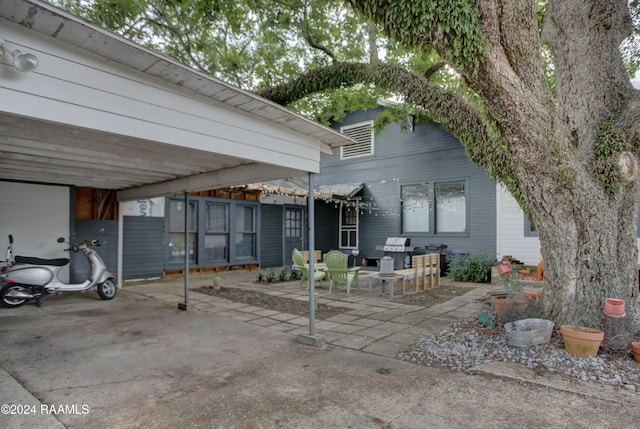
(295, 275)
(271, 276)
(283, 275)
(260, 276)
(475, 267)
(511, 284)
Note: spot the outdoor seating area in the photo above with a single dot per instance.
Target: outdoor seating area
(334, 267)
(299, 265)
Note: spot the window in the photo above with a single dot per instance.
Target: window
(435, 208)
(529, 228)
(176, 230)
(451, 207)
(216, 240)
(348, 227)
(415, 208)
(293, 225)
(246, 231)
(363, 134)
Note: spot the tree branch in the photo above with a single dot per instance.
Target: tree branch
(450, 110)
(306, 34)
(434, 69)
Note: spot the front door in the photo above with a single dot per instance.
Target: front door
(294, 231)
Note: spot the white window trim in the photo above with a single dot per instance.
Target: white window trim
(355, 228)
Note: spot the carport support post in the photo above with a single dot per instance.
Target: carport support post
(312, 339)
(183, 306)
(312, 243)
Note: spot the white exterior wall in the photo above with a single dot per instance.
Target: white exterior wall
(79, 89)
(510, 238)
(36, 215)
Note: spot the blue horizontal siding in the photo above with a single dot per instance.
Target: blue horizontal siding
(427, 154)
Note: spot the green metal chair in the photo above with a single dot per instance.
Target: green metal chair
(318, 274)
(338, 270)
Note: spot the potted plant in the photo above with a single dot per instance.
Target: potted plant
(581, 341)
(635, 349)
(512, 304)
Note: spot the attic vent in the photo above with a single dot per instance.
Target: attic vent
(363, 134)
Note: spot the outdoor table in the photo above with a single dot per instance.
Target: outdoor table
(374, 277)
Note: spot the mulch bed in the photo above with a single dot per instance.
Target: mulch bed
(424, 299)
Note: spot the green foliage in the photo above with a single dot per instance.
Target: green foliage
(606, 154)
(271, 276)
(260, 276)
(451, 27)
(295, 275)
(475, 267)
(283, 275)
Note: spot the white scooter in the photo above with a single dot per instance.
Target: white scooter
(24, 278)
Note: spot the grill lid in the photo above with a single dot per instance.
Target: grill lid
(397, 244)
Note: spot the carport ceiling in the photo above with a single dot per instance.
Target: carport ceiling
(33, 150)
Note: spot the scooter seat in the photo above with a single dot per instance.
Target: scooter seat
(60, 262)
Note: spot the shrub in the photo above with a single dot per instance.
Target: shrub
(282, 275)
(475, 267)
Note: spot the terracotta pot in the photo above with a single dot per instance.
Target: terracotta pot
(533, 294)
(614, 307)
(581, 341)
(635, 347)
(636, 356)
(498, 304)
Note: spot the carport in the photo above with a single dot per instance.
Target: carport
(100, 111)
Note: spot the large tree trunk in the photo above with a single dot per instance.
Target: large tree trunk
(565, 153)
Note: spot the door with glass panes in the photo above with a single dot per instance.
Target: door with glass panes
(294, 232)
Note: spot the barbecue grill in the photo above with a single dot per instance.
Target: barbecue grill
(399, 248)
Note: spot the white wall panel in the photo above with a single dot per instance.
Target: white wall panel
(36, 215)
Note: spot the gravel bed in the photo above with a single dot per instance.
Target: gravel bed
(467, 343)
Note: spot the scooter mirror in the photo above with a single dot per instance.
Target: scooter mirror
(61, 240)
(10, 239)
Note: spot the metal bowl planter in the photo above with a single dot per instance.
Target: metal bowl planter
(528, 332)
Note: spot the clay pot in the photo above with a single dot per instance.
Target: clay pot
(614, 307)
(498, 304)
(635, 349)
(533, 294)
(581, 341)
(508, 307)
(504, 268)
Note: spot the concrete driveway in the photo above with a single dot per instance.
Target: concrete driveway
(139, 362)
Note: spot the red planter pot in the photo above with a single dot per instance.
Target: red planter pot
(614, 307)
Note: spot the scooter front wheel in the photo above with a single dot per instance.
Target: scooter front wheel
(107, 289)
(9, 301)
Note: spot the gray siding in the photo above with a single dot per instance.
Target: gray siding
(143, 247)
(271, 247)
(326, 226)
(108, 250)
(425, 155)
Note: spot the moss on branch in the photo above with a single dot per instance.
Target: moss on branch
(453, 113)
